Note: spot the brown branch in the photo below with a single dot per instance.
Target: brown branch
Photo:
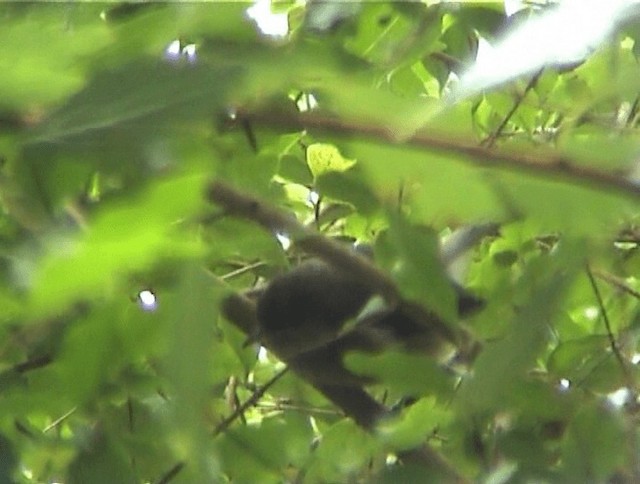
(246, 206)
(545, 164)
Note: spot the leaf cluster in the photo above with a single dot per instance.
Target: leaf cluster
(115, 119)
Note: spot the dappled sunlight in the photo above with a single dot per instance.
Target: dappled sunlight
(284, 240)
(177, 51)
(148, 300)
(270, 24)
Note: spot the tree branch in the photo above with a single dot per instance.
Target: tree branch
(545, 165)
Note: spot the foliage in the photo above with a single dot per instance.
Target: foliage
(114, 119)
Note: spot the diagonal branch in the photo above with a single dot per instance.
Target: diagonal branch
(541, 164)
(250, 402)
(612, 340)
(491, 139)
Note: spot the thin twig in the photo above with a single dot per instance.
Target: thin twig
(491, 139)
(612, 341)
(617, 282)
(59, 420)
(250, 402)
(296, 408)
(316, 212)
(131, 420)
(171, 473)
(242, 270)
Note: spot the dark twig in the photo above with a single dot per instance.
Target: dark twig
(617, 282)
(612, 341)
(316, 212)
(250, 402)
(491, 139)
(131, 420)
(171, 473)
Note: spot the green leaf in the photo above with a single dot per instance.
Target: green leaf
(503, 362)
(403, 374)
(260, 453)
(190, 358)
(594, 447)
(431, 184)
(415, 425)
(142, 90)
(417, 267)
(103, 462)
(44, 54)
(342, 453)
(575, 359)
(325, 158)
(348, 187)
(123, 237)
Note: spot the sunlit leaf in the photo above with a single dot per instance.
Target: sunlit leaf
(42, 69)
(323, 158)
(403, 373)
(415, 424)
